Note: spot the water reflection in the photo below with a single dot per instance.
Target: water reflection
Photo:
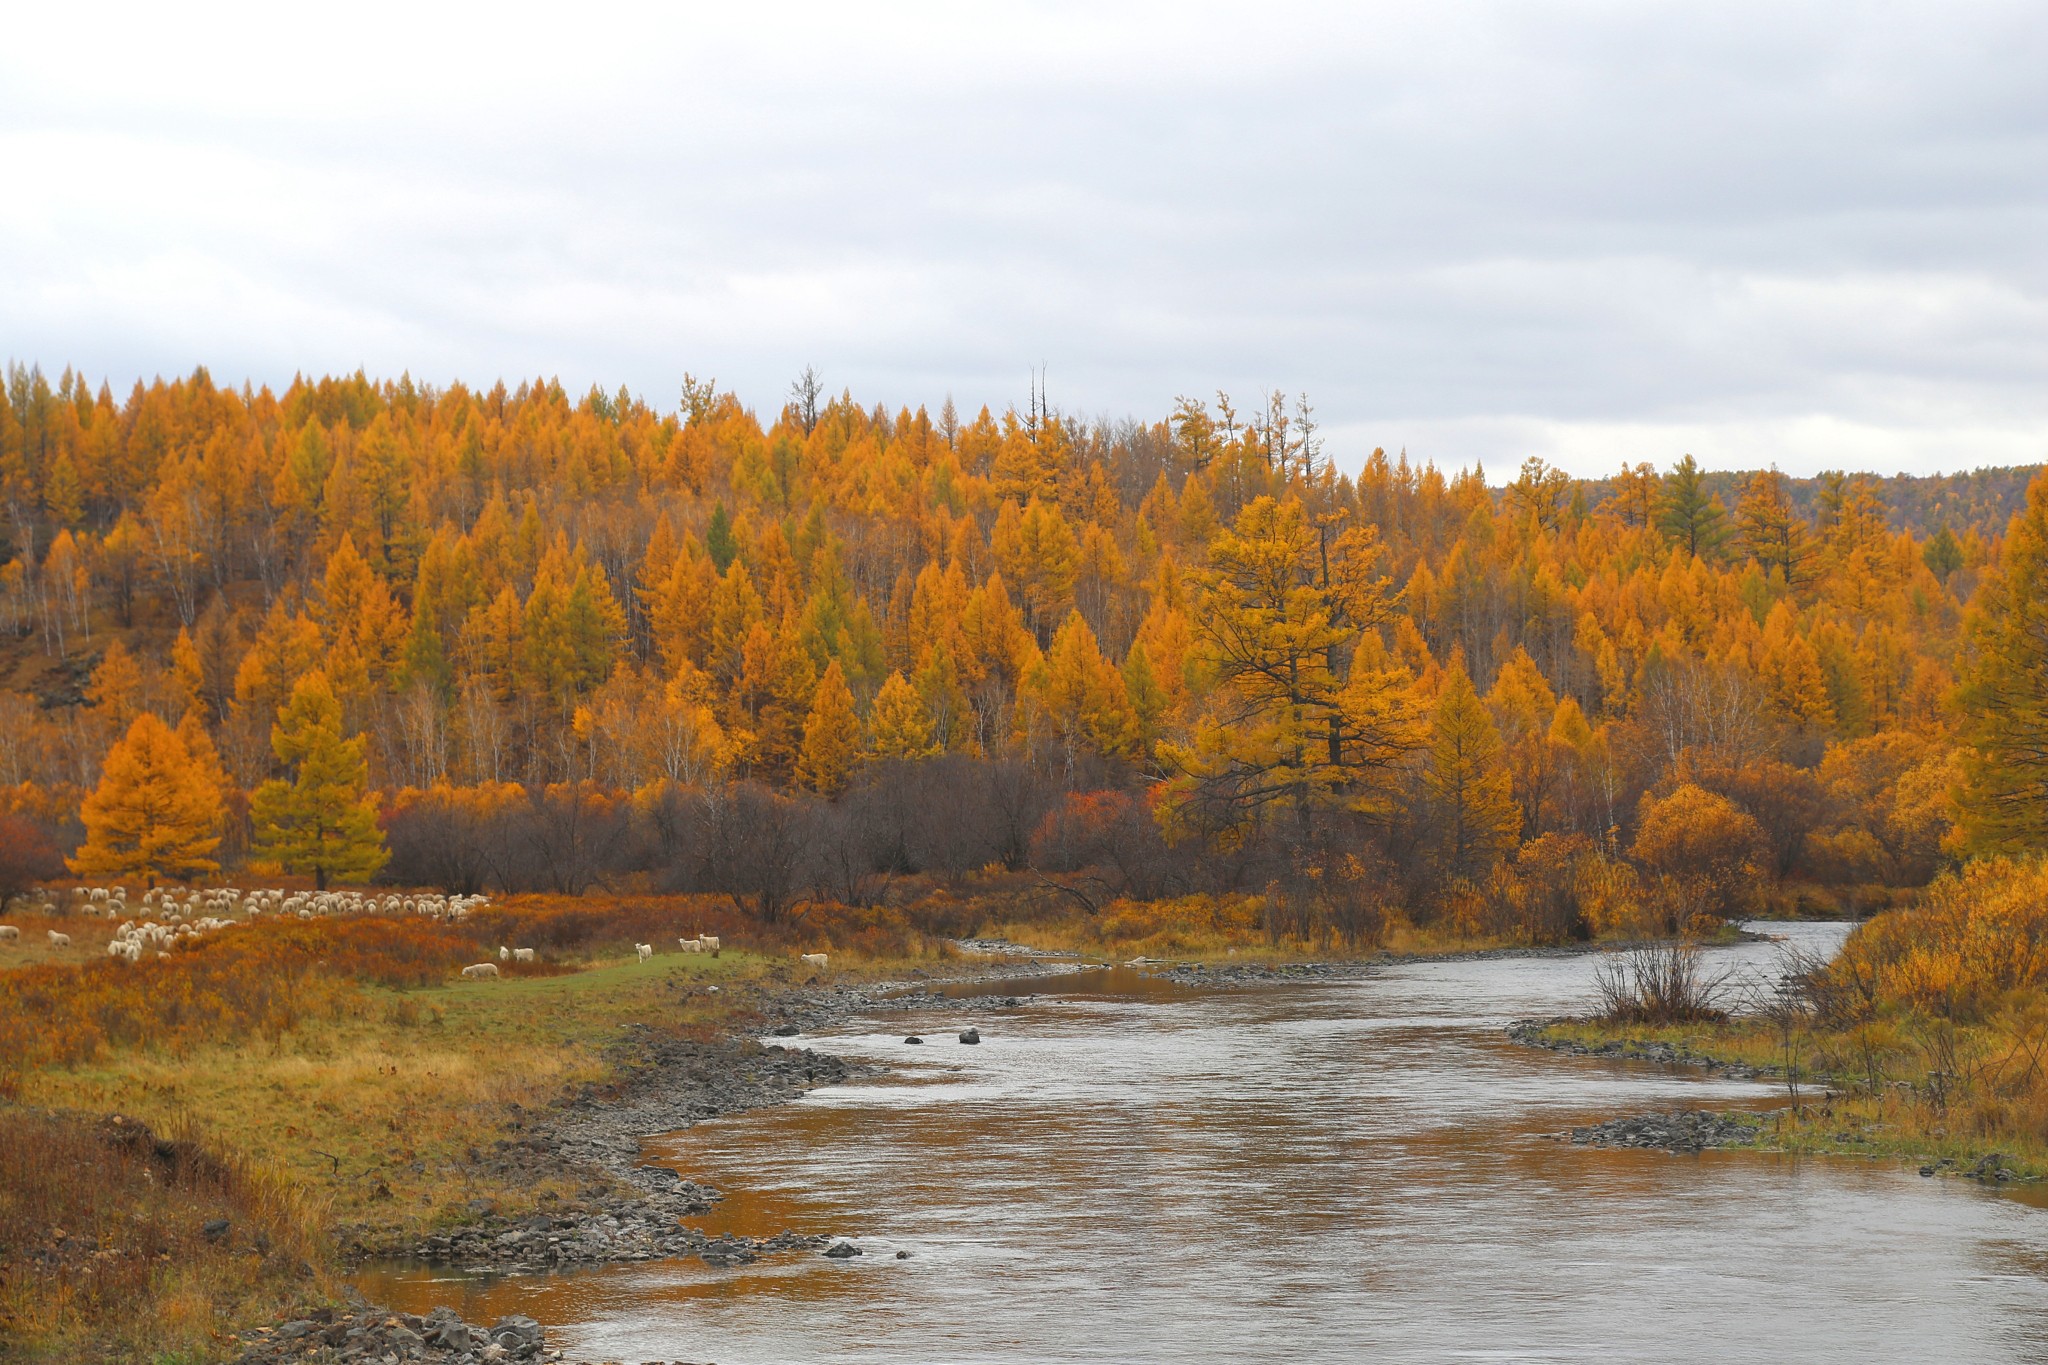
(1337, 1171)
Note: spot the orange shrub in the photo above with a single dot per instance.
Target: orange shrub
(1704, 840)
(1976, 935)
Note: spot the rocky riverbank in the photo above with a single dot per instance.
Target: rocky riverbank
(441, 1337)
(1686, 1130)
(1252, 973)
(1535, 1033)
(628, 1209)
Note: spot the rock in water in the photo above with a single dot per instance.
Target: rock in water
(913, 1038)
(839, 1251)
(972, 1035)
(1687, 1130)
(517, 1333)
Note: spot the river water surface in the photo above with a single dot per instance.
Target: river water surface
(1340, 1171)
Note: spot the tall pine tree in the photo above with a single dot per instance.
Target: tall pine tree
(1691, 517)
(320, 820)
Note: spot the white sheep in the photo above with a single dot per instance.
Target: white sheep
(522, 954)
(504, 953)
(816, 960)
(8, 933)
(690, 945)
(710, 942)
(58, 940)
(480, 971)
(645, 950)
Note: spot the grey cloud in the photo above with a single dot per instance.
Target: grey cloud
(1481, 230)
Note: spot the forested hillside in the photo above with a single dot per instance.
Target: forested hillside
(535, 641)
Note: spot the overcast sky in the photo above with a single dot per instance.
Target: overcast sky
(1807, 234)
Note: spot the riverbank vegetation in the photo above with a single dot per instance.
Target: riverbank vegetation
(1926, 1037)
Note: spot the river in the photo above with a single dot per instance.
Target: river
(1359, 1170)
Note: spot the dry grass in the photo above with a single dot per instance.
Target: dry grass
(89, 935)
(389, 1103)
(105, 1253)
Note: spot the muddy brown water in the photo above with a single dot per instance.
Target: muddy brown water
(1340, 1171)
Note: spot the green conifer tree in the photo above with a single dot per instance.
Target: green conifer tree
(320, 819)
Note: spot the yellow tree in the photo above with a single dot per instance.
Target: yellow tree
(362, 625)
(1472, 816)
(900, 726)
(831, 742)
(945, 700)
(286, 648)
(1038, 553)
(2004, 695)
(678, 606)
(1771, 532)
(1083, 696)
(1305, 712)
(1149, 701)
(115, 688)
(777, 688)
(154, 813)
(1790, 667)
(1523, 708)
(320, 819)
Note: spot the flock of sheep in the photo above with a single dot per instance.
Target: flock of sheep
(132, 940)
(111, 902)
(177, 916)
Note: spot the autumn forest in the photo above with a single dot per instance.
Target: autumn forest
(511, 639)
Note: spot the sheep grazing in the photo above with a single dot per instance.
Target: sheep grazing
(645, 950)
(522, 955)
(690, 945)
(481, 971)
(8, 933)
(58, 940)
(816, 960)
